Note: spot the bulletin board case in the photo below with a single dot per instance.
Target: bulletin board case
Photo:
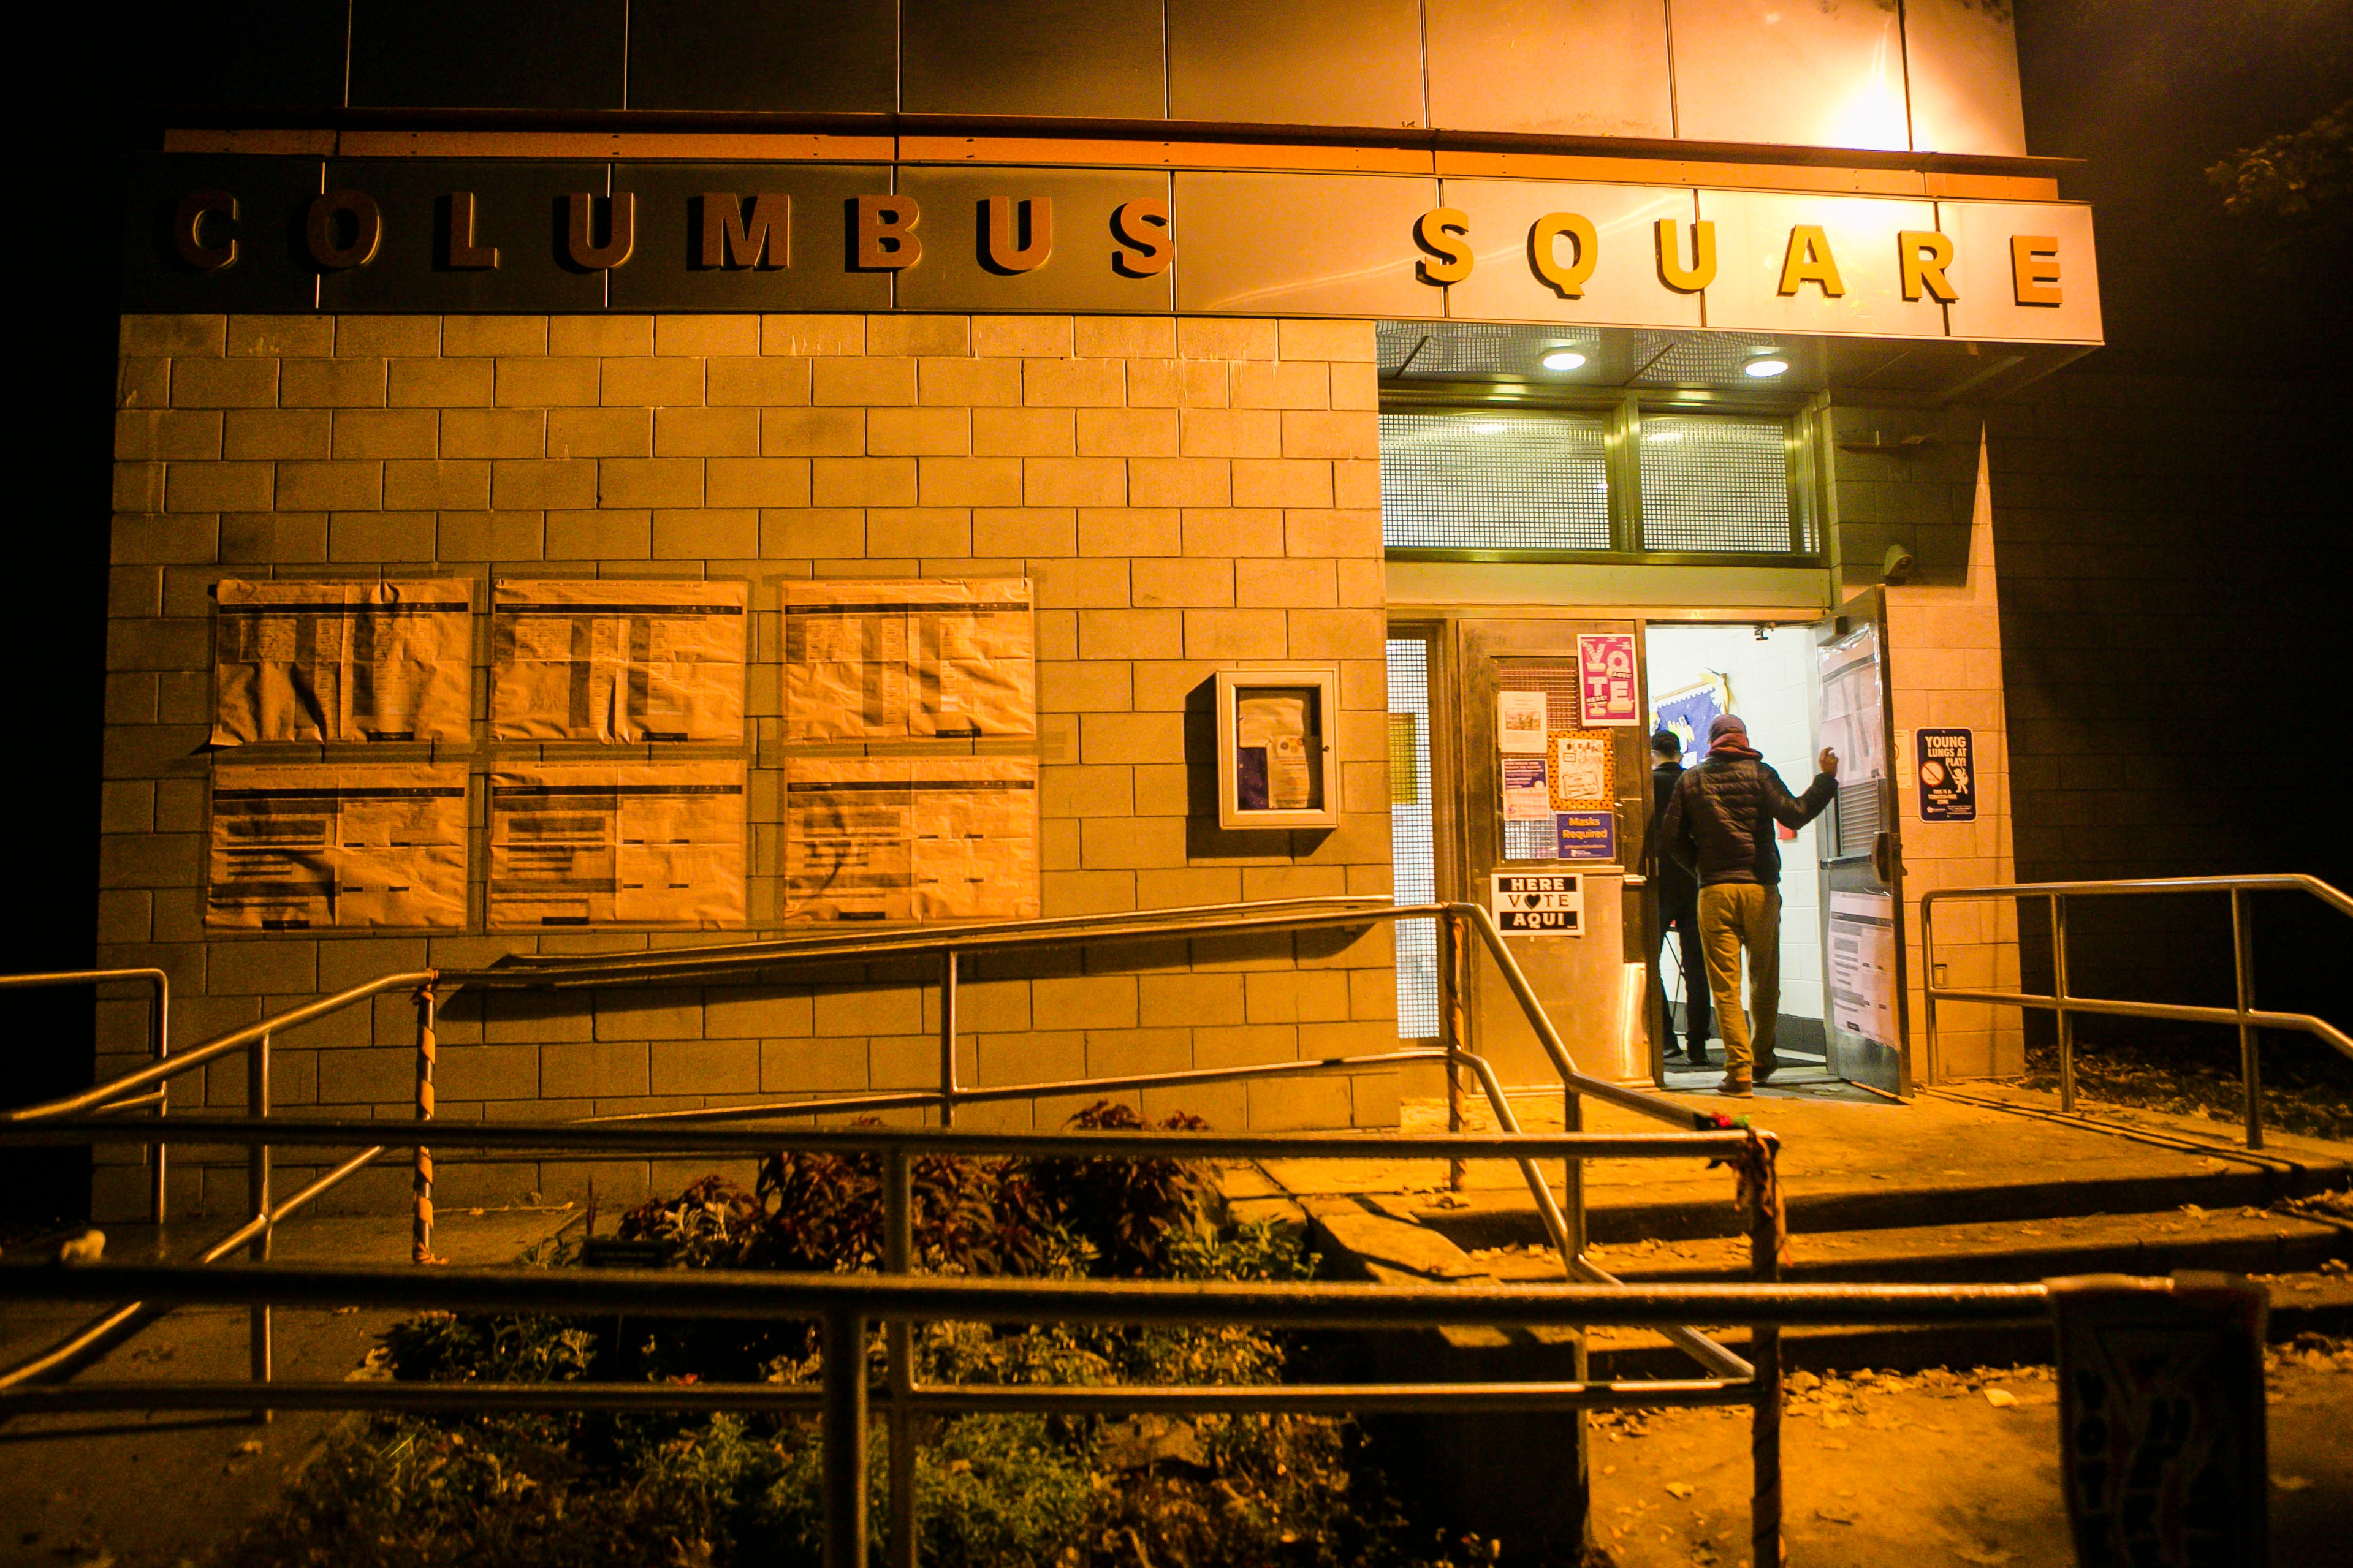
(1274, 763)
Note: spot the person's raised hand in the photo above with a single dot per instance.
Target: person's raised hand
(1828, 761)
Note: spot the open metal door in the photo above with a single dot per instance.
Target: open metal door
(1862, 860)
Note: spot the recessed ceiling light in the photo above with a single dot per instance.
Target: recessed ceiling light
(1562, 358)
(1765, 366)
(1487, 428)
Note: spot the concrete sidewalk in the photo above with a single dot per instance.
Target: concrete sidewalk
(1981, 1184)
(1983, 1153)
(156, 1488)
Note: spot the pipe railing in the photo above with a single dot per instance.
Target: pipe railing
(2062, 1001)
(748, 961)
(845, 1309)
(159, 1045)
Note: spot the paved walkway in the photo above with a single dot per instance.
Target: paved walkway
(1850, 1159)
(152, 1490)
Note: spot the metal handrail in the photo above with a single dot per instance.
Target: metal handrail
(2061, 1000)
(747, 961)
(1736, 1381)
(159, 1018)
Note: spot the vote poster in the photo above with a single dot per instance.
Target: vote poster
(1608, 693)
(1538, 903)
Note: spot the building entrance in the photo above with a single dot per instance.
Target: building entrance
(1799, 687)
(1762, 675)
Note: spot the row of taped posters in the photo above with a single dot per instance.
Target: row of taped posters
(935, 834)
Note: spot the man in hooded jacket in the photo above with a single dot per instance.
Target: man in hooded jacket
(1719, 825)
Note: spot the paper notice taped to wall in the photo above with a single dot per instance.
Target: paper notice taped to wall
(343, 662)
(337, 848)
(598, 844)
(910, 838)
(887, 661)
(587, 658)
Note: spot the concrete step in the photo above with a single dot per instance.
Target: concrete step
(2237, 1241)
(1504, 1218)
(2307, 1262)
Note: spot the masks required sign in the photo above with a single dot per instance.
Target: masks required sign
(1539, 904)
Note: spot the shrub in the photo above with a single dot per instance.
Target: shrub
(595, 1490)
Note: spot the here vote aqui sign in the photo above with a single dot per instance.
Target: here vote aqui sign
(1539, 904)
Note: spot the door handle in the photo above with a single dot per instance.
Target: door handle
(1882, 856)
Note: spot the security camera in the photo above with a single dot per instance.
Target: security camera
(1896, 566)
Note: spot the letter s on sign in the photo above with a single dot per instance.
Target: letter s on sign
(1444, 233)
(1141, 226)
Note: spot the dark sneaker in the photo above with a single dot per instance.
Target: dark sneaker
(1697, 1059)
(1767, 1068)
(1735, 1086)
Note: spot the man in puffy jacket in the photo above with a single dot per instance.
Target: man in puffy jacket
(1719, 825)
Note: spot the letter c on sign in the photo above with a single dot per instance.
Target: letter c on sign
(322, 231)
(1444, 232)
(188, 230)
(1544, 254)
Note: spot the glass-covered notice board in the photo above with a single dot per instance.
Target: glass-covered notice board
(1274, 749)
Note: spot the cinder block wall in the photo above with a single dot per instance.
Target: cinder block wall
(2174, 633)
(1945, 663)
(1186, 495)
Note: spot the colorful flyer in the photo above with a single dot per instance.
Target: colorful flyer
(1948, 786)
(1580, 770)
(1526, 796)
(1607, 690)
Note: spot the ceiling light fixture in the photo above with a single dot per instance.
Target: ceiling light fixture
(1487, 428)
(1562, 358)
(1765, 366)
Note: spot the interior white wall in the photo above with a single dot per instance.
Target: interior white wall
(1772, 689)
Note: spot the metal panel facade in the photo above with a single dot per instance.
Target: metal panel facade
(1624, 287)
(1808, 75)
(814, 56)
(1563, 67)
(1301, 245)
(1961, 65)
(1090, 58)
(1296, 62)
(1755, 233)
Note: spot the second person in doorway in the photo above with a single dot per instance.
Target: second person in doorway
(1678, 902)
(1719, 826)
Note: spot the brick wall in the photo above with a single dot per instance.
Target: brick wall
(2174, 639)
(1186, 495)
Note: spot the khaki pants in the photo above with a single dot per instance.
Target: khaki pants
(1733, 915)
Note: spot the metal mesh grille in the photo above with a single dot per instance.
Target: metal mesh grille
(1492, 479)
(1860, 815)
(1714, 483)
(1412, 844)
(1558, 682)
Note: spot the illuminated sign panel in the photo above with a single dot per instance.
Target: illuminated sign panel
(433, 235)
